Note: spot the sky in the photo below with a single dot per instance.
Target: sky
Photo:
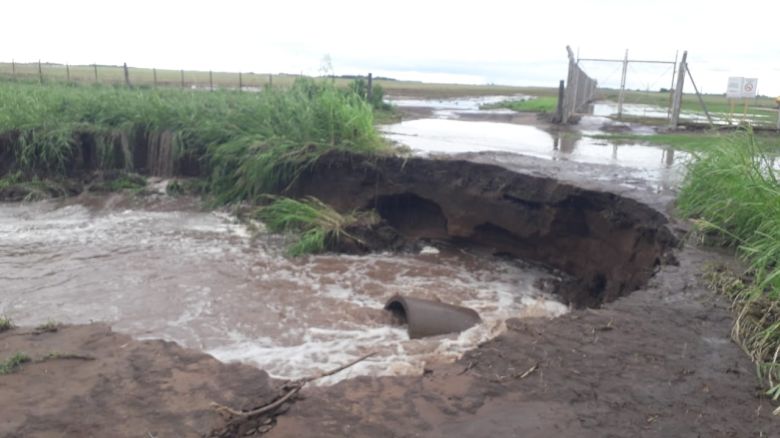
(486, 41)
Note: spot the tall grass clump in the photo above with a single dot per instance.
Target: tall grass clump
(732, 193)
(317, 225)
(5, 324)
(294, 128)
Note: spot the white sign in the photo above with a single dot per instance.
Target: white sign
(741, 88)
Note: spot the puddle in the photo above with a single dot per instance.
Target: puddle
(199, 279)
(460, 103)
(456, 108)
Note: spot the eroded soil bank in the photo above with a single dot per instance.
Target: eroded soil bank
(609, 243)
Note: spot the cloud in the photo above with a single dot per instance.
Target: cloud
(519, 43)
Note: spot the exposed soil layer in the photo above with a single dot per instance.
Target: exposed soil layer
(611, 244)
(115, 386)
(654, 364)
(137, 149)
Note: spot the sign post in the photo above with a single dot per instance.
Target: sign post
(741, 88)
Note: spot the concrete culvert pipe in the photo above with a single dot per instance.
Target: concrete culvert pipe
(430, 318)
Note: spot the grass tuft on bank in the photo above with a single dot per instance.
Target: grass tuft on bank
(316, 225)
(5, 324)
(14, 363)
(732, 194)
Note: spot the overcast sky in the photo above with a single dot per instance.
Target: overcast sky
(486, 41)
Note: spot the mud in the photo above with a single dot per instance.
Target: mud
(115, 386)
(611, 244)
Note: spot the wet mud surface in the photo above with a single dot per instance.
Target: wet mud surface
(112, 385)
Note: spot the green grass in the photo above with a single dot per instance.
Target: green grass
(688, 141)
(5, 324)
(14, 363)
(542, 104)
(124, 181)
(114, 75)
(761, 110)
(316, 225)
(246, 143)
(732, 193)
(48, 327)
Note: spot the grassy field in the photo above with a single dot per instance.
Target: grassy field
(541, 104)
(760, 111)
(85, 74)
(732, 195)
(247, 143)
(688, 141)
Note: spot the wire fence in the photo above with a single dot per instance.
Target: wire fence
(580, 90)
(135, 76)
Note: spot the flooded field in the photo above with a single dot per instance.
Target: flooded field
(200, 279)
(658, 112)
(450, 131)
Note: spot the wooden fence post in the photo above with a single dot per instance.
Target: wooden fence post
(369, 92)
(671, 87)
(270, 80)
(96, 75)
(559, 108)
(127, 74)
(182, 78)
(67, 73)
(154, 77)
(211, 81)
(13, 69)
(240, 82)
(622, 95)
(40, 71)
(778, 118)
(678, 92)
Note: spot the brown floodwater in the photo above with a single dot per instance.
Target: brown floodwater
(161, 268)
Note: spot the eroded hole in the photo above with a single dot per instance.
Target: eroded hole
(412, 215)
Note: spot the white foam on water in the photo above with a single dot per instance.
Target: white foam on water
(202, 280)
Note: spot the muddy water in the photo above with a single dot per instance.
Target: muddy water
(163, 269)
